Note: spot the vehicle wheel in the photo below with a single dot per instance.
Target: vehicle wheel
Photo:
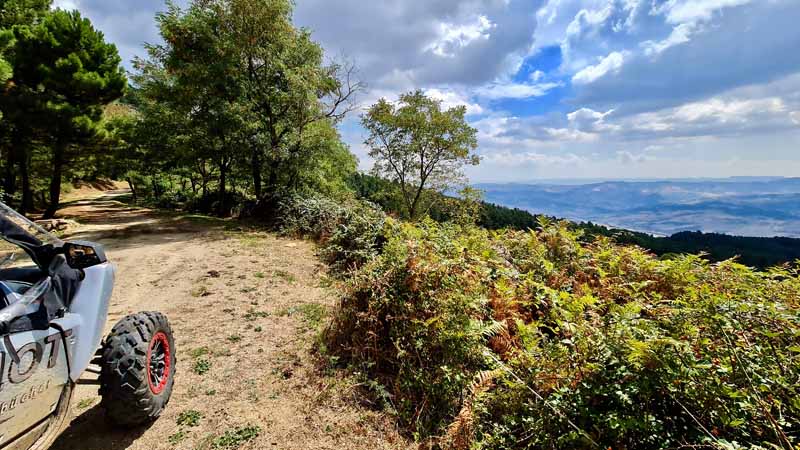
(137, 369)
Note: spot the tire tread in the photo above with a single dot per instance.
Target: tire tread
(124, 388)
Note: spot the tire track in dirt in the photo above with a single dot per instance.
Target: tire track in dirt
(245, 305)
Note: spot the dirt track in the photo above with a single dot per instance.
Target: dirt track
(247, 303)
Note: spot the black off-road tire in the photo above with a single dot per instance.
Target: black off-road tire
(131, 390)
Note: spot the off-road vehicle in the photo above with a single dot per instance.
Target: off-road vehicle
(52, 318)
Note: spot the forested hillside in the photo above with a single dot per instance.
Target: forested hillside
(752, 251)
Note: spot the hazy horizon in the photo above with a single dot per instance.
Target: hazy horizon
(744, 206)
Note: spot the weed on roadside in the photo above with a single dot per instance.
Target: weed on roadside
(189, 418)
(284, 275)
(312, 313)
(198, 352)
(253, 315)
(234, 439)
(201, 366)
(177, 438)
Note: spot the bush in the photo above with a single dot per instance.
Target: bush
(351, 232)
(537, 340)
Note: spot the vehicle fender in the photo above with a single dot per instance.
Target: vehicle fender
(90, 306)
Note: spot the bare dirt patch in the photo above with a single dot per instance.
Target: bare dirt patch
(245, 307)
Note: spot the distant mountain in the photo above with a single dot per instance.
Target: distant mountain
(743, 206)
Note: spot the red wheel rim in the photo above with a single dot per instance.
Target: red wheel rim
(159, 362)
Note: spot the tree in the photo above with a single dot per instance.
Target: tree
(286, 85)
(254, 91)
(419, 146)
(22, 12)
(64, 74)
(202, 85)
(13, 144)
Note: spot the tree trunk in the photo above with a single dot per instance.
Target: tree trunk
(256, 166)
(272, 184)
(155, 185)
(55, 181)
(223, 169)
(10, 179)
(133, 189)
(27, 193)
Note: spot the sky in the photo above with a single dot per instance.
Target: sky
(566, 88)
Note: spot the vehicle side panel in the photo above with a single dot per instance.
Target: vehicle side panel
(30, 390)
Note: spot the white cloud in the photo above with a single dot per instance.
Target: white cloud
(795, 115)
(610, 64)
(588, 20)
(537, 76)
(454, 37)
(570, 135)
(514, 90)
(588, 120)
(451, 99)
(728, 111)
(681, 34)
(687, 11)
(509, 159)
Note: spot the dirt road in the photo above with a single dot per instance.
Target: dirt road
(245, 307)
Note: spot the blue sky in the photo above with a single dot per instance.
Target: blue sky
(568, 88)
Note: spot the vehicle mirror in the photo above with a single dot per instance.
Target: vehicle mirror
(82, 255)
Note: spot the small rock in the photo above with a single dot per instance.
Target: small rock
(213, 274)
(56, 224)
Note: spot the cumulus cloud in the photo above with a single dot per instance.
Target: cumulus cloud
(610, 64)
(589, 120)
(431, 43)
(452, 99)
(681, 34)
(454, 37)
(741, 44)
(514, 90)
(683, 11)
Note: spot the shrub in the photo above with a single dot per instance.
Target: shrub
(537, 340)
(351, 232)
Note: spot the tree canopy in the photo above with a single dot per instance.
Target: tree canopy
(248, 96)
(62, 74)
(420, 146)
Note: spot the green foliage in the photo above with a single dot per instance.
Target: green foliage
(238, 100)
(539, 339)
(176, 438)
(201, 366)
(234, 439)
(419, 146)
(189, 418)
(410, 322)
(351, 232)
(63, 74)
